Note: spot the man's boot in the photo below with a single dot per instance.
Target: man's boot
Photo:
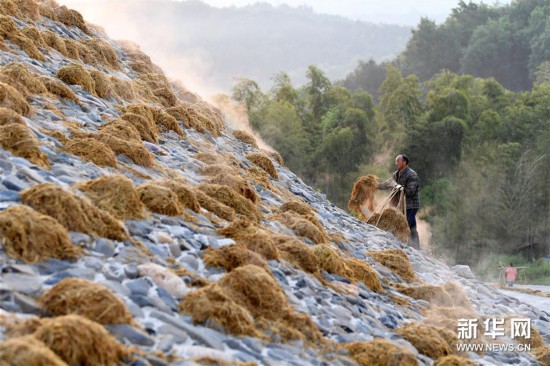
(414, 241)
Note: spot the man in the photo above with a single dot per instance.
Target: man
(406, 179)
(511, 273)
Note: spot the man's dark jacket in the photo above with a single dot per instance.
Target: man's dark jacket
(409, 179)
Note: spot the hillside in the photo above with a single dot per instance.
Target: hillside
(138, 229)
(216, 45)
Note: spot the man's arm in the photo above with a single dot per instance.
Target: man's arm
(387, 184)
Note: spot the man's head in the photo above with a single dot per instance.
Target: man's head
(511, 265)
(401, 162)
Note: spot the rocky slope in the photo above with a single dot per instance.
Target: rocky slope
(136, 229)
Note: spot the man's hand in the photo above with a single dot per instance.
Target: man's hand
(399, 187)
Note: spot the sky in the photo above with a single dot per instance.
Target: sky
(405, 12)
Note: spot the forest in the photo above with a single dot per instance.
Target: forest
(478, 136)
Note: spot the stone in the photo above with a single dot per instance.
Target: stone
(178, 335)
(163, 237)
(130, 333)
(207, 336)
(139, 286)
(190, 262)
(25, 284)
(26, 303)
(164, 278)
(131, 270)
(105, 247)
(464, 271)
(93, 263)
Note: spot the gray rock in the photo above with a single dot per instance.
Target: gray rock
(174, 249)
(116, 287)
(166, 343)
(26, 303)
(131, 270)
(93, 263)
(105, 247)
(130, 333)
(25, 284)
(80, 239)
(134, 308)
(52, 266)
(204, 335)
(139, 286)
(189, 262)
(179, 336)
(464, 271)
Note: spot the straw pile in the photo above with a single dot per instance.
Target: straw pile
(297, 253)
(238, 184)
(435, 295)
(159, 199)
(32, 237)
(59, 89)
(121, 129)
(276, 156)
(10, 31)
(299, 207)
(85, 298)
(396, 260)
(245, 137)
(230, 198)
(12, 99)
(186, 195)
(103, 53)
(147, 129)
(76, 74)
(115, 194)
(27, 351)
(73, 212)
(123, 89)
(303, 227)
(427, 339)
(233, 256)
(246, 300)
(457, 294)
(52, 40)
(213, 305)
(18, 76)
(543, 355)
(363, 272)
(264, 162)
(212, 170)
(453, 360)
(91, 150)
(215, 206)
(8, 116)
(20, 141)
(71, 18)
(380, 352)
(102, 85)
(200, 117)
(247, 233)
(330, 260)
(363, 194)
(133, 149)
(392, 221)
(76, 340)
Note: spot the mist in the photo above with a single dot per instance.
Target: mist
(209, 48)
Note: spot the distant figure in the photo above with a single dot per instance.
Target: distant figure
(511, 273)
(406, 179)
